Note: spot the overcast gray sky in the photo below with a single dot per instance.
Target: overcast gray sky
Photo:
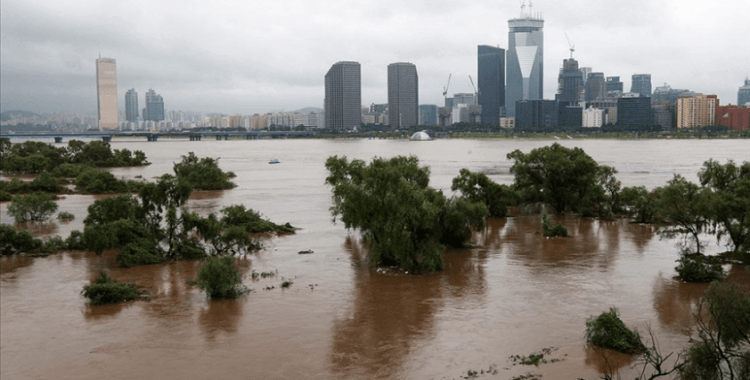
(256, 56)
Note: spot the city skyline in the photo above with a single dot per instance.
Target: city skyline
(233, 65)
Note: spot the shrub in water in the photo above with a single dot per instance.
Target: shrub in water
(699, 269)
(65, 216)
(220, 278)
(34, 207)
(13, 241)
(105, 290)
(75, 241)
(608, 331)
(549, 230)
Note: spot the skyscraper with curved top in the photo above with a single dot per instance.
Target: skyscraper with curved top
(524, 79)
(343, 96)
(403, 94)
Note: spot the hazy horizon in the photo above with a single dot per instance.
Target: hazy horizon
(243, 58)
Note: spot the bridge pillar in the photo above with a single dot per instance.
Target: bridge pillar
(152, 137)
(58, 139)
(218, 138)
(106, 138)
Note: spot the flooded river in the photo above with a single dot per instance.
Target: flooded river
(516, 293)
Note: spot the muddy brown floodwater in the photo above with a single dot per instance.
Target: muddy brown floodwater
(516, 293)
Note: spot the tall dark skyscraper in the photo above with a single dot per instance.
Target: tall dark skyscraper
(154, 106)
(428, 114)
(634, 111)
(131, 105)
(641, 84)
(743, 95)
(525, 61)
(570, 83)
(596, 87)
(491, 82)
(614, 84)
(403, 95)
(343, 96)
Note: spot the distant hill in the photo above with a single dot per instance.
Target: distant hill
(12, 114)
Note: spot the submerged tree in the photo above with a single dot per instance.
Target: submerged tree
(34, 207)
(568, 179)
(729, 202)
(683, 206)
(477, 187)
(203, 173)
(404, 219)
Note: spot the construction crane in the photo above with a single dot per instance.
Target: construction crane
(572, 47)
(476, 93)
(445, 89)
(476, 100)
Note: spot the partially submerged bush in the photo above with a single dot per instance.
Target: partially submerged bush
(220, 279)
(477, 187)
(699, 268)
(13, 242)
(203, 173)
(140, 252)
(105, 290)
(551, 231)
(34, 207)
(608, 331)
(251, 220)
(65, 216)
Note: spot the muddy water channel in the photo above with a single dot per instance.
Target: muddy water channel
(516, 293)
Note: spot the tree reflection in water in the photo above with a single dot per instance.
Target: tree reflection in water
(392, 312)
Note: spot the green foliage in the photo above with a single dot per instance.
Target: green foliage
(45, 182)
(729, 202)
(250, 220)
(5, 196)
(74, 241)
(458, 219)
(684, 206)
(34, 207)
(552, 231)
(639, 203)
(567, 179)
(13, 242)
(65, 216)
(52, 245)
(477, 187)
(203, 173)
(608, 331)
(403, 218)
(71, 170)
(721, 349)
(93, 181)
(35, 156)
(104, 290)
(699, 268)
(220, 279)
(139, 252)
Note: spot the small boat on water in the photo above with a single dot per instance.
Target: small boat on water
(274, 161)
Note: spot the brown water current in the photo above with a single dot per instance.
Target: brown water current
(516, 293)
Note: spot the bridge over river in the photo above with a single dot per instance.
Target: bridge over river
(154, 136)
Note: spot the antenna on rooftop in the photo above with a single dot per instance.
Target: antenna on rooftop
(523, 5)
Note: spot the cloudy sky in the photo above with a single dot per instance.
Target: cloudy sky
(257, 56)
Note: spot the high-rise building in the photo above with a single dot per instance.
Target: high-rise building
(491, 82)
(743, 95)
(428, 114)
(131, 105)
(614, 84)
(154, 110)
(696, 111)
(586, 71)
(570, 83)
(106, 93)
(634, 110)
(641, 84)
(403, 95)
(536, 114)
(343, 96)
(525, 61)
(596, 87)
(570, 116)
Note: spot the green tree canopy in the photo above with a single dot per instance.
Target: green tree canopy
(404, 219)
(33, 207)
(683, 206)
(729, 201)
(477, 187)
(568, 179)
(203, 173)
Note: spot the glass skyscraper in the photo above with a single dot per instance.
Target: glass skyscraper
(743, 95)
(491, 82)
(154, 106)
(525, 61)
(403, 95)
(131, 105)
(641, 84)
(343, 96)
